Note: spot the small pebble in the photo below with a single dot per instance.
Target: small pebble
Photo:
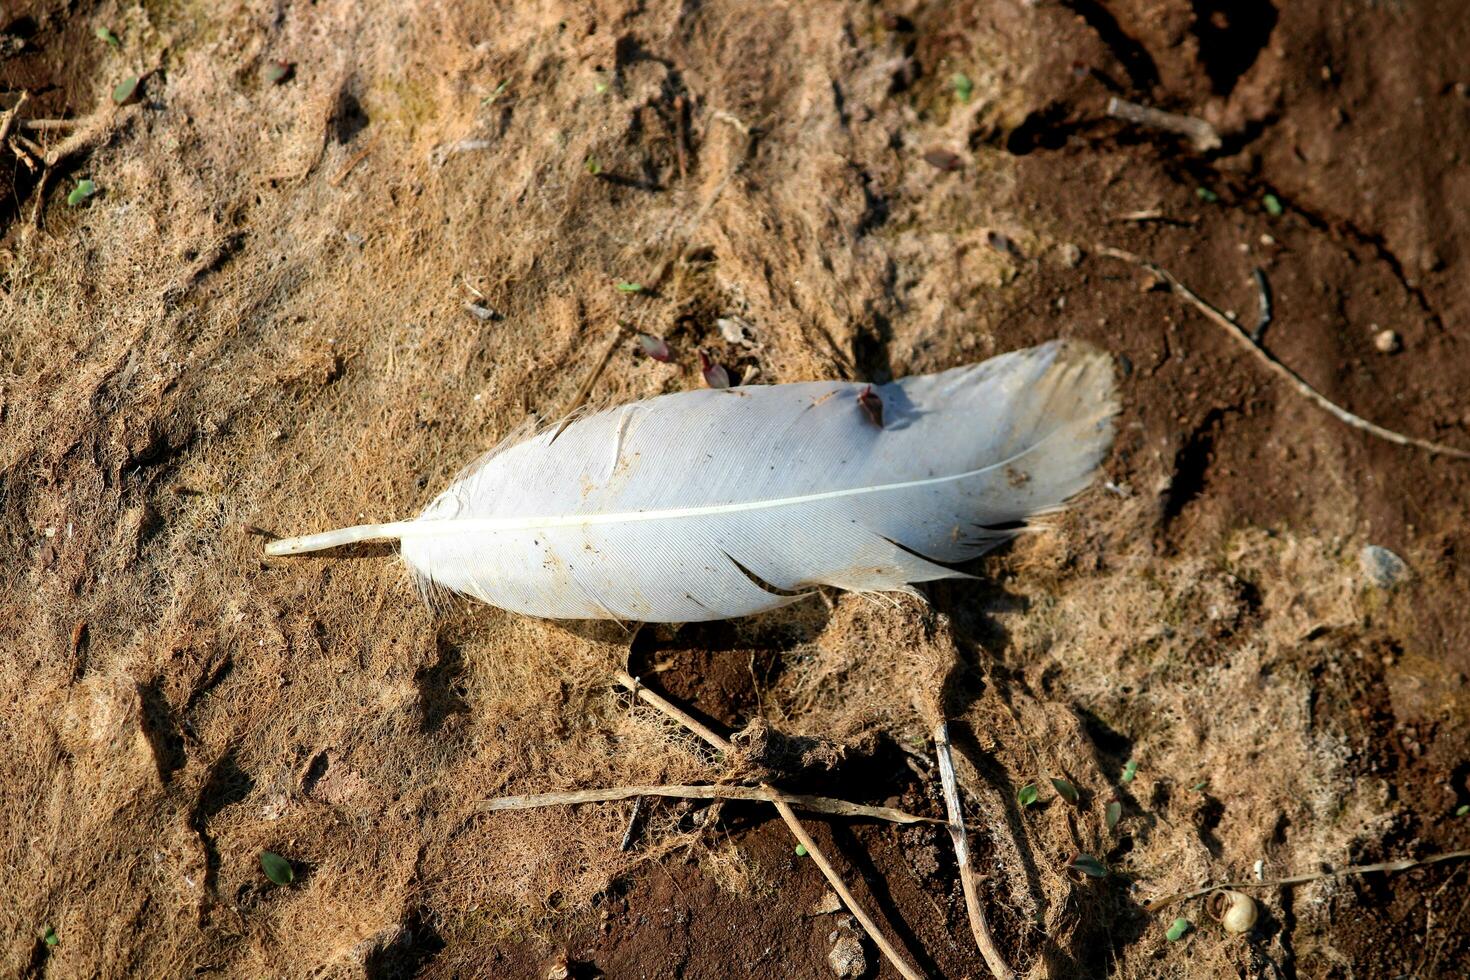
(1387, 342)
(847, 958)
(1069, 255)
(1382, 567)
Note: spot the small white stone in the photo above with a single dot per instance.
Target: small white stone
(1387, 342)
(1382, 567)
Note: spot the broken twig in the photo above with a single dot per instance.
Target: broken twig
(956, 825)
(812, 804)
(781, 800)
(1263, 305)
(1199, 132)
(1360, 869)
(630, 683)
(899, 961)
(634, 820)
(8, 121)
(1216, 316)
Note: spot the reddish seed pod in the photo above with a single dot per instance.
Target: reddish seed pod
(872, 405)
(714, 372)
(654, 347)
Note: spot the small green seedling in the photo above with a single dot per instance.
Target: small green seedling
(1206, 195)
(1027, 795)
(277, 868)
(1177, 929)
(1199, 787)
(495, 94)
(630, 287)
(1113, 814)
(125, 90)
(963, 87)
(594, 166)
(1066, 790)
(801, 850)
(1088, 865)
(50, 937)
(79, 193)
(103, 34)
(1462, 809)
(278, 71)
(1130, 769)
(1272, 204)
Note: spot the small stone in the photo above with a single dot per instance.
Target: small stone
(1069, 255)
(827, 904)
(847, 958)
(1387, 342)
(1382, 567)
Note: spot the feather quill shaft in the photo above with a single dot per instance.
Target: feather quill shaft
(720, 503)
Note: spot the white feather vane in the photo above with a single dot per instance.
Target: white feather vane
(719, 503)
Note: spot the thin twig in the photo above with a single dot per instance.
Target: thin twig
(49, 125)
(1200, 133)
(1360, 869)
(352, 162)
(1263, 305)
(1214, 314)
(782, 801)
(812, 804)
(634, 819)
(957, 834)
(1156, 214)
(675, 712)
(9, 119)
(895, 957)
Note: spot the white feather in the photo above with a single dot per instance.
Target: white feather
(716, 503)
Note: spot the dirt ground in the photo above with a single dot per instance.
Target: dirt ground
(337, 250)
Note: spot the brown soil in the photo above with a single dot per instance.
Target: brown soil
(259, 321)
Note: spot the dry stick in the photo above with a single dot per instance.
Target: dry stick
(835, 880)
(1200, 133)
(14, 114)
(581, 396)
(47, 125)
(777, 798)
(812, 804)
(1360, 869)
(956, 825)
(1214, 314)
(675, 712)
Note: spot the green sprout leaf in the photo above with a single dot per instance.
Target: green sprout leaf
(1199, 787)
(125, 90)
(1113, 814)
(79, 193)
(1027, 795)
(495, 94)
(1065, 790)
(1273, 206)
(1206, 195)
(1088, 865)
(1177, 929)
(630, 287)
(1130, 769)
(103, 34)
(278, 71)
(963, 87)
(1462, 809)
(50, 937)
(594, 166)
(277, 868)
(801, 850)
